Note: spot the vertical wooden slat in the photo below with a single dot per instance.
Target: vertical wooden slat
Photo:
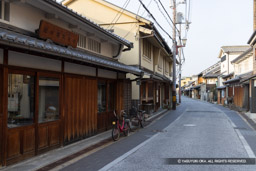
(5, 104)
(69, 98)
(36, 112)
(95, 87)
(62, 106)
(1, 115)
(86, 106)
(90, 108)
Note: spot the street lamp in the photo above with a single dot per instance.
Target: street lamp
(184, 41)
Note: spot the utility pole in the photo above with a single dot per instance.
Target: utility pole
(180, 67)
(174, 57)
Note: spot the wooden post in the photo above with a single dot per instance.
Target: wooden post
(62, 110)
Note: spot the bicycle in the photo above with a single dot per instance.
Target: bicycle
(118, 128)
(138, 115)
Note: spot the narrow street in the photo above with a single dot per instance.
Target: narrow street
(195, 130)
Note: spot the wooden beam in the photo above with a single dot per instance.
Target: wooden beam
(90, 34)
(50, 16)
(71, 26)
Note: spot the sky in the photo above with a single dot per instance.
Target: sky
(214, 23)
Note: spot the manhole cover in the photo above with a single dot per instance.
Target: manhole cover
(189, 125)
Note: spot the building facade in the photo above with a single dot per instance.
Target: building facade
(60, 78)
(151, 53)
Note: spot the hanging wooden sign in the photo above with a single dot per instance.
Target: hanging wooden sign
(57, 34)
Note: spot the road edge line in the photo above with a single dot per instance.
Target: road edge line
(242, 139)
(125, 155)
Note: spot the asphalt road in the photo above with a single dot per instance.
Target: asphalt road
(195, 130)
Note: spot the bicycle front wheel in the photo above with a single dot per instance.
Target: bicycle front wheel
(115, 134)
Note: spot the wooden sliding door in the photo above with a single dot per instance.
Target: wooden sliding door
(1, 116)
(80, 108)
(106, 104)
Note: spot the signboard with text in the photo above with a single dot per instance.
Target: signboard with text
(57, 34)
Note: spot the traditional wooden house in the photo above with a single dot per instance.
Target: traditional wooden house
(151, 53)
(239, 86)
(252, 79)
(226, 55)
(207, 80)
(60, 79)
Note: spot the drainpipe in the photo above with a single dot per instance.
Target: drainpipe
(139, 68)
(118, 55)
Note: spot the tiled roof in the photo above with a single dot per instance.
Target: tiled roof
(221, 87)
(248, 53)
(10, 37)
(241, 48)
(89, 22)
(239, 78)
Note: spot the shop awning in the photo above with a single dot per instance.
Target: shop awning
(14, 39)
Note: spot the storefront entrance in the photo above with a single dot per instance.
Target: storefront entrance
(33, 113)
(106, 104)
(80, 108)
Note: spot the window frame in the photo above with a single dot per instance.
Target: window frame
(147, 48)
(30, 73)
(50, 75)
(2, 15)
(93, 41)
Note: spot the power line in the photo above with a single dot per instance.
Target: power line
(134, 23)
(113, 22)
(147, 7)
(168, 16)
(163, 14)
(155, 20)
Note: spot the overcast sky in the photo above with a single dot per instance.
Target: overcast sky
(215, 23)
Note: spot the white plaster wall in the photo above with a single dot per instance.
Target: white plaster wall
(101, 14)
(31, 61)
(231, 58)
(135, 88)
(79, 69)
(1, 56)
(107, 74)
(31, 17)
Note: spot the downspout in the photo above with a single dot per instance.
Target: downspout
(140, 69)
(117, 56)
(120, 50)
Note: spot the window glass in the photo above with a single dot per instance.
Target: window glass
(111, 97)
(101, 97)
(7, 11)
(48, 99)
(146, 48)
(21, 93)
(150, 90)
(143, 89)
(1, 8)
